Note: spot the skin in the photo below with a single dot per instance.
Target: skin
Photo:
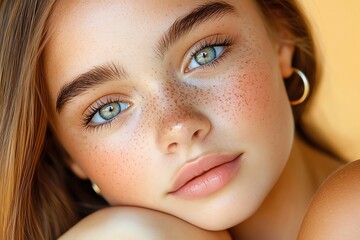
(238, 105)
(334, 213)
(137, 223)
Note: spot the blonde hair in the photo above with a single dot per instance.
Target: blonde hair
(32, 203)
(36, 202)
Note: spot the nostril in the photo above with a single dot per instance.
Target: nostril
(196, 134)
(172, 147)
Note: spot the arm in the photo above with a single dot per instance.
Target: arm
(137, 223)
(334, 213)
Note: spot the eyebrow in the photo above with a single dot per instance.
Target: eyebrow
(104, 73)
(183, 25)
(85, 81)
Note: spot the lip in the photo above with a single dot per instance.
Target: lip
(205, 175)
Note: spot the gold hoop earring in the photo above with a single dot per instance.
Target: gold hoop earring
(96, 188)
(306, 88)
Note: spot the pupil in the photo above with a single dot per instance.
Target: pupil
(110, 111)
(206, 56)
(110, 108)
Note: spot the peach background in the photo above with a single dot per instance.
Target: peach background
(333, 119)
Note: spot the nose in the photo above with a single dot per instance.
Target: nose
(182, 130)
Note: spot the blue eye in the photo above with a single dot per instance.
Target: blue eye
(107, 112)
(205, 56)
(208, 51)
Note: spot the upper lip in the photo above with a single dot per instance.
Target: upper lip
(199, 166)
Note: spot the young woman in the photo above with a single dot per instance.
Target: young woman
(177, 111)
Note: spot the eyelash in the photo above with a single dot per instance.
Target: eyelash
(215, 41)
(94, 108)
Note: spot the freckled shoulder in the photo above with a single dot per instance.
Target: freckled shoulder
(334, 212)
(137, 223)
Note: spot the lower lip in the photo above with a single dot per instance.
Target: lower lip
(209, 182)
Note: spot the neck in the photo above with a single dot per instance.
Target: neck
(281, 213)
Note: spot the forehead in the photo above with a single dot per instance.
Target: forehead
(148, 18)
(126, 13)
(127, 20)
(108, 29)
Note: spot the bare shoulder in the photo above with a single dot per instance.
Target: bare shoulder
(137, 223)
(334, 212)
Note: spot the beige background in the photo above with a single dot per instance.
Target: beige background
(333, 119)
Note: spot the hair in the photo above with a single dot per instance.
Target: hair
(288, 16)
(40, 197)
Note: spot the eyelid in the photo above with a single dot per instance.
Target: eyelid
(213, 40)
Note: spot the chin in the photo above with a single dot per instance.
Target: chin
(223, 215)
(219, 223)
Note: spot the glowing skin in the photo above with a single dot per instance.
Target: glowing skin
(177, 111)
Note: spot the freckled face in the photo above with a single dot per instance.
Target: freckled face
(217, 88)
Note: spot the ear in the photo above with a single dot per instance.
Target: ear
(77, 169)
(285, 50)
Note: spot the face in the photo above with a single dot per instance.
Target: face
(177, 106)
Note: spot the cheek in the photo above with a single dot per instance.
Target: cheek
(114, 162)
(245, 96)
(253, 89)
(252, 103)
